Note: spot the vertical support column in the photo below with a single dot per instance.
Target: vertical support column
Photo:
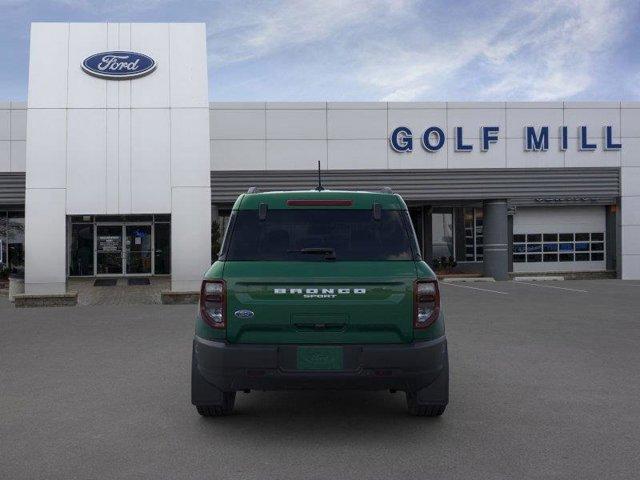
(45, 241)
(190, 197)
(630, 222)
(190, 237)
(460, 254)
(610, 238)
(496, 255)
(190, 156)
(510, 239)
(619, 240)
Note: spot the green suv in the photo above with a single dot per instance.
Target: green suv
(320, 290)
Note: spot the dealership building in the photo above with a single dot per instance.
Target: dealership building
(118, 165)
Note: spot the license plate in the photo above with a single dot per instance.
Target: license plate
(319, 358)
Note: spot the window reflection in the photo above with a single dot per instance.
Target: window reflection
(442, 231)
(572, 247)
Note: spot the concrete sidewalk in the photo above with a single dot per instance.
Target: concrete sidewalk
(121, 294)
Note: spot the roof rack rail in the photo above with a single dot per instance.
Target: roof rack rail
(253, 190)
(386, 190)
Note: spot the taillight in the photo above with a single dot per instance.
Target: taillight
(426, 303)
(213, 295)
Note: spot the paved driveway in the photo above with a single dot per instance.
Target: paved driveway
(545, 384)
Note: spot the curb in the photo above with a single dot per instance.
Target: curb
(468, 279)
(25, 300)
(179, 298)
(538, 279)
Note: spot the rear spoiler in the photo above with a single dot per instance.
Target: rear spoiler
(382, 190)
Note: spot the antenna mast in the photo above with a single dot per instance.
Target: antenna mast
(320, 187)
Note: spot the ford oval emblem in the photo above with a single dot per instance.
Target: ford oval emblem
(243, 313)
(118, 65)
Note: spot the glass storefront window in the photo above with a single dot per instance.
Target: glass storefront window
(469, 235)
(138, 249)
(15, 242)
(81, 252)
(416, 214)
(117, 245)
(163, 249)
(4, 267)
(442, 234)
(109, 249)
(473, 239)
(218, 227)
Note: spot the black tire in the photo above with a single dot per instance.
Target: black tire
(228, 401)
(418, 410)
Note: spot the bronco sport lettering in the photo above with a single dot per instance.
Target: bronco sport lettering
(320, 292)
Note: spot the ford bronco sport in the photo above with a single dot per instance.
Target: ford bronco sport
(320, 289)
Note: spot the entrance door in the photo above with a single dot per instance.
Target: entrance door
(139, 249)
(109, 250)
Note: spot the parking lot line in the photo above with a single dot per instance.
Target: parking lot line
(552, 286)
(474, 288)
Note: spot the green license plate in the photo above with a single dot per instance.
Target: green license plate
(319, 358)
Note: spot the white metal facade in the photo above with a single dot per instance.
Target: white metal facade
(346, 135)
(13, 136)
(96, 146)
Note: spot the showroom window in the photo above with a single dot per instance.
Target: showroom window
(442, 231)
(558, 247)
(218, 228)
(81, 249)
(162, 240)
(3, 244)
(473, 219)
(120, 245)
(11, 242)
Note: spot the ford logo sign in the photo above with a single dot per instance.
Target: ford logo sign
(243, 313)
(118, 65)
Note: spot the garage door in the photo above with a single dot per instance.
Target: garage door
(559, 239)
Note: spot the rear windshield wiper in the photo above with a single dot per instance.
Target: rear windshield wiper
(330, 253)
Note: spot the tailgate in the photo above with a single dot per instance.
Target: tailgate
(319, 302)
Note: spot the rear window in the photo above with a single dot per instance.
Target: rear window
(314, 235)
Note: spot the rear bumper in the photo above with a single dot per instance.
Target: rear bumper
(410, 367)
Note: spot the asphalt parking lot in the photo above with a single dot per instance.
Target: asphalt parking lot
(545, 383)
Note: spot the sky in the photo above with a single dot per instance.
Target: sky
(377, 50)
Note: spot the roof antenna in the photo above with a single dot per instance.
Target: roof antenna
(320, 187)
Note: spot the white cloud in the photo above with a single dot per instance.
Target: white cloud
(407, 50)
(248, 33)
(400, 49)
(546, 51)
(569, 50)
(100, 7)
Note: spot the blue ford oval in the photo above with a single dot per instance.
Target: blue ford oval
(118, 65)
